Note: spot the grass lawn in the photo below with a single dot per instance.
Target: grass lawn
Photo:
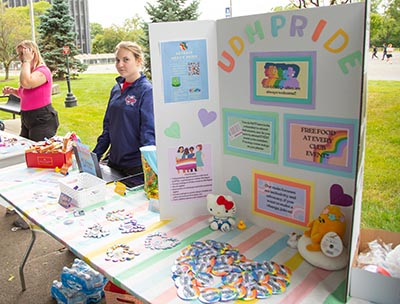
(381, 192)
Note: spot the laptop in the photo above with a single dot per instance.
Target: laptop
(87, 162)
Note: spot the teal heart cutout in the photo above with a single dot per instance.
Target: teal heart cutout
(234, 185)
(173, 130)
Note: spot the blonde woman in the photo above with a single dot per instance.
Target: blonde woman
(39, 120)
(128, 122)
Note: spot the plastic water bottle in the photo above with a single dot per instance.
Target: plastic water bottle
(65, 295)
(79, 284)
(82, 277)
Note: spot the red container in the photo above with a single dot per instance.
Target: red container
(116, 295)
(48, 160)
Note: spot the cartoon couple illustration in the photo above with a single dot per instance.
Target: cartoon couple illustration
(281, 75)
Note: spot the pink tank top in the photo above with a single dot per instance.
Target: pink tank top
(39, 97)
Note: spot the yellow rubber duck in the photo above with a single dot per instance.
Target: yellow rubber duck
(241, 225)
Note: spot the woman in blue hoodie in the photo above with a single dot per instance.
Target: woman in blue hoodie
(129, 118)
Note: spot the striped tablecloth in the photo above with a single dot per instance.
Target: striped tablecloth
(35, 192)
(12, 149)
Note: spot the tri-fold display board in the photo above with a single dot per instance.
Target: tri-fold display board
(267, 108)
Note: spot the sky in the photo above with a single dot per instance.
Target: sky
(108, 12)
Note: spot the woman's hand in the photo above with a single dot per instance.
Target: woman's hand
(27, 54)
(9, 90)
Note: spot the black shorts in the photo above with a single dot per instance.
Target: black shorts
(39, 124)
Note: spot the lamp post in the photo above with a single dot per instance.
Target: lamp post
(70, 100)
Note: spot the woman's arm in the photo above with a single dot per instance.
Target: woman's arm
(147, 132)
(103, 141)
(29, 80)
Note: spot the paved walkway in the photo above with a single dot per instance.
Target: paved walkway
(379, 69)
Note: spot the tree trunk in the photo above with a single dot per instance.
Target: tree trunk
(6, 70)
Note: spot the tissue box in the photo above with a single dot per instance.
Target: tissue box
(83, 189)
(48, 160)
(372, 286)
(116, 295)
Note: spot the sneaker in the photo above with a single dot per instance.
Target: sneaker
(21, 224)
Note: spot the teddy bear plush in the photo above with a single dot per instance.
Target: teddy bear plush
(223, 210)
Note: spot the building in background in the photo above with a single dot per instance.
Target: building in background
(79, 11)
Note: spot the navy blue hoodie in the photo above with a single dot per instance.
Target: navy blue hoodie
(128, 123)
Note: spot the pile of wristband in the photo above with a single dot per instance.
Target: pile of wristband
(131, 226)
(121, 253)
(118, 215)
(96, 231)
(212, 271)
(160, 241)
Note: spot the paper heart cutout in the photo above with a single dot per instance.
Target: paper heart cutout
(338, 197)
(206, 117)
(173, 130)
(234, 185)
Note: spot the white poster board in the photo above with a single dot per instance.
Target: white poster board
(279, 125)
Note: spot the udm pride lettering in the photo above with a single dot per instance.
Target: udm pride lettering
(297, 24)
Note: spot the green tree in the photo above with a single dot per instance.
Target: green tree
(375, 5)
(105, 41)
(376, 24)
(385, 22)
(95, 29)
(392, 22)
(24, 14)
(56, 30)
(13, 29)
(288, 7)
(163, 11)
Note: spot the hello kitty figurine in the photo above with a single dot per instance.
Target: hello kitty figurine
(223, 209)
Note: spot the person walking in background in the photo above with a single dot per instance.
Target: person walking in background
(384, 51)
(374, 52)
(128, 122)
(39, 120)
(389, 53)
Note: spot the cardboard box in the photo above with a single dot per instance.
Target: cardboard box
(372, 286)
(48, 160)
(116, 295)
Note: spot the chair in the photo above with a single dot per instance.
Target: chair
(13, 105)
